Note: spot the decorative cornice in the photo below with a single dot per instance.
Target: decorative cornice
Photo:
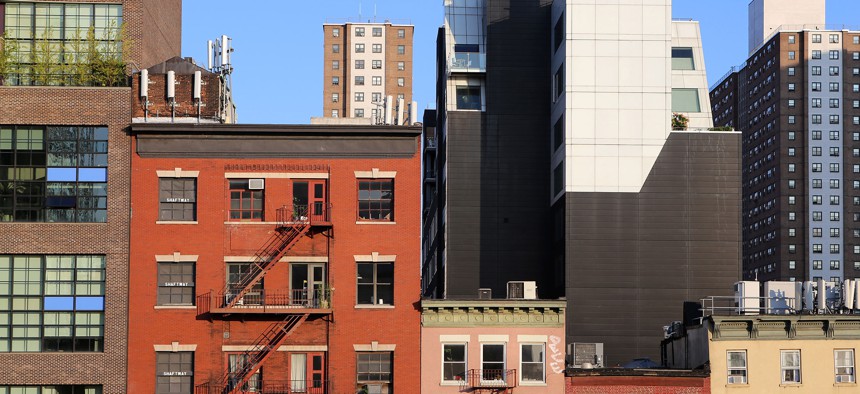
(797, 327)
(498, 313)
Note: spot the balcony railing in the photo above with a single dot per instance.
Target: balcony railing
(270, 387)
(468, 62)
(492, 378)
(316, 213)
(265, 301)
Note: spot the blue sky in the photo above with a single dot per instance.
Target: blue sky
(278, 43)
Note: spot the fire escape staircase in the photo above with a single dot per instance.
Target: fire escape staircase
(286, 235)
(265, 345)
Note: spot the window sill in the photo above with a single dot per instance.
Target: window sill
(373, 222)
(374, 307)
(533, 384)
(174, 307)
(452, 383)
(175, 222)
(792, 385)
(738, 386)
(238, 223)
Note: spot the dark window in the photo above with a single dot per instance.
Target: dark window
(245, 203)
(175, 283)
(558, 32)
(469, 97)
(373, 372)
(52, 303)
(682, 59)
(177, 199)
(235, 273)
(174, 372)
(492, 361)
(401, 49)
(53, 174)
(558, 133)
(375, 283)
(467, 48)
(454, 362)
(376, 199)
(377, 32)
(558, 82)
(532, 359)
(558, 179)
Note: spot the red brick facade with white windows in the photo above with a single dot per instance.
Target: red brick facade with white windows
(284, 157)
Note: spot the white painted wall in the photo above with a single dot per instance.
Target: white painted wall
(686, 34)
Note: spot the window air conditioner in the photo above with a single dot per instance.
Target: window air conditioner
(737, 379)
(256, 184)
(522, 290)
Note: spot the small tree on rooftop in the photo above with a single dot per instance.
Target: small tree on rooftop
(679, 121)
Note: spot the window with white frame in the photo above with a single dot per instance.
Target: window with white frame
(532, 362)
(737, 366)
(492, 361)
(454, 362)
(790, 366)
(844, 365)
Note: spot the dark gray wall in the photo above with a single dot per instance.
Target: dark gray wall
(498, 162)
(633, 258)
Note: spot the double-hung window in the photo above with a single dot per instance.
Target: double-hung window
(375, 283)
(177, 199)
(454, 362)
(376, 199)
(174, 372)
(374, 372)
(844, 365)
(532, 363)
(493, 362)
(175, 283)
(790, 366)
(737, 366)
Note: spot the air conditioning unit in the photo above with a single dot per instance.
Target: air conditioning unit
(580, 355)
(747, 300)
(844, 379)
(485, 294)
(256, 184)
(737, 379)
(522, 290)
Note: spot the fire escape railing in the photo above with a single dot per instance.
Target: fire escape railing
(492, 378)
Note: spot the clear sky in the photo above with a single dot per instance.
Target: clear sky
(279, 51)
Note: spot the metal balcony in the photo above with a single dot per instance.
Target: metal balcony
(265, 302)
(496, 380)
(269, 387)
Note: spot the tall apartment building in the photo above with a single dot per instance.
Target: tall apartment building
(797, 98)
(553, 159)
(64, 193)
(363, 64)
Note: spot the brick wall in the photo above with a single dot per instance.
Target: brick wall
(184, 95)
(85, 107)
(637, 385)
(391, 60)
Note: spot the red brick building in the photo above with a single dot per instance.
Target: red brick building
(274, 258)
(639, 381)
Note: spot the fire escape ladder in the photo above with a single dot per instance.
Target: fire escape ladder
(265, 345)
(285, 237)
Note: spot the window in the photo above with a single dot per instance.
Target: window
(359, 96)
(834, 264)
(834, 167)
(492, 361)
(790, 364)
(373, 372)
(816, 103)
(335, 81)
(682, 59)
(359, 48)
(792, 199)
(855, 55)
(834, 200)
(791, 55)
(834, 248)
(816, 167)
(335, 65)
(834, 119)
(401, 33)
(791, 71)
(816, 54)
(401, 49)
(469, 97)
(334, 113)
(791, 39)
(791, 136)
(791, 103)
(177, 199)
(816, 70)
(377, 81)
(376, 97)
(359, 80)
(375, 283)
(834, 216)
(792, 216)
(401, 81)
(816, 86)
(816, 217)
(834, 71)
(334, 97)
(335, 32)
(376, 64)
(359, 113)
(834, 86)
(844, 365)
(834, 135)
(175, 283)
(532, 363)
(359, 32)
(816, 38)
(401, 66)
(834, 103)
(791, 151)
(834, 38)
(359, 64)
(834, 183)
(377, 48)
(834, 55)
(685, 100)
(558, 32)
(792, 232)
(737, 366)
(558, 132)
(855, 71)
(246, 204)
(558, 84)
(816, 151)
(453, 362)
(377, 32)
(792, 248)
(817, 264)
(376, 199)
(816, 184)
(335, 48)
(792, 264)
(790, 87)
(174, 372)
(54, 174)
(791, 168)
(856, 39)
(235, 363)
(792, 183)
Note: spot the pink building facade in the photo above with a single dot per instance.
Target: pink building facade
(498, 346)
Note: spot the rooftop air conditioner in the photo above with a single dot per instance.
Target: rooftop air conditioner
(522, 290)
(485, 294)
(580, 355)
(256, 184)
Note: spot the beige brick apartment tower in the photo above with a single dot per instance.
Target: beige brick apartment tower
(363, 64)
(64, 192)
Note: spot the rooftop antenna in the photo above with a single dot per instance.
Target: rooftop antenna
(374, 12)
(359, 11)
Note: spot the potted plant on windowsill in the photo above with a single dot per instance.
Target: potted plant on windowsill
(324, 296)
(679, 121)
